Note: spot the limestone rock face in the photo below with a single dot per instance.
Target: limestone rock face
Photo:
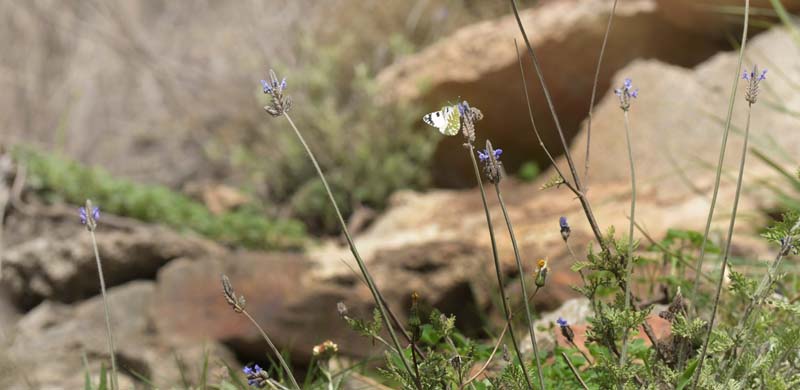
(64, 269)
(47, 344)
(479, 64)
(678, 119)
(708, 16)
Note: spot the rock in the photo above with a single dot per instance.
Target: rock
(708, 18)
(290, 298)
(479, 64)
(670, 124)
(676, 150)
(65, 270)
(49, 342)
(281, 296)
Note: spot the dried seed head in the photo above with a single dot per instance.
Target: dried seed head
(342, 309)
(677, 306)
(237, 303)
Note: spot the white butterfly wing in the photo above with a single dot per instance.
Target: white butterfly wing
(446, 120)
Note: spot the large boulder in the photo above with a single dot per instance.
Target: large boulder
(678, 118)
(48, 345)
(717, 17)
(479, 64)
(64, 269)
(294, 297)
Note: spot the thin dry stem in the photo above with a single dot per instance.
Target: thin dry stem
(274, 350)
(498, 272)
(726, 255)
(594, 94)
(574, 370)
(629, 265)
(110, 338)
(361, 265)
(528, 317)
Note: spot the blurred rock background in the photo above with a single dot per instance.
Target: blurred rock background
(166, 94)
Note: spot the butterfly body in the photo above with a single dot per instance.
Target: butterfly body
(447, 120)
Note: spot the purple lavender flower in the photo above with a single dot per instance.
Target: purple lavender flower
(566, 330)
(565, 229)
(85, 218)
(463, 108)
(562, 322)
(266, 86)
(256, 376)
(752, 75)
(751, 92)
(483, 155)
(626, 93)
(280, 103)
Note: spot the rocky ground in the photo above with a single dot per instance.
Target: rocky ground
(164, 285)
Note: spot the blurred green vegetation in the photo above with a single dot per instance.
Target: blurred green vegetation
(529, 171)
(57, 179)
(367, 149)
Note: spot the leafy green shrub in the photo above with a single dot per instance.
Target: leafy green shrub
(57, 179)
(367, 149)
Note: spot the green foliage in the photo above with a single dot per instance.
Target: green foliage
(529, 171)
(58, 179)
(367, 149)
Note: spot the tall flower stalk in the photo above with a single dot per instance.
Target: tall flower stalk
(486, 158)
(89, 215)
(238, 303)
(279, 106)
(492, 169)
(751, 96)
(625, 94)
(723, 146)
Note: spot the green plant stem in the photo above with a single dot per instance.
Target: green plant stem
(574, 371)
(767, 279)
(576, 188)
(594, 94)
(361, 265)
(629, 265)
(488, 361)
(723, 146)
(742, 326)
(496, 257)
(726, 253)
(274, 350)
(522, 285)
(109, 334)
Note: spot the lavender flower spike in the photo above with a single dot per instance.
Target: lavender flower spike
(626, 93)
(565, 229)
(89, 219)
(754, 79)
(561, 322)
(483, 155)
(256, 376)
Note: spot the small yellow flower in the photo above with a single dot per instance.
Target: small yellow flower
(541, 273)
(327, 349)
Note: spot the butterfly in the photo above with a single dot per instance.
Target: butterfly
(447, 120)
